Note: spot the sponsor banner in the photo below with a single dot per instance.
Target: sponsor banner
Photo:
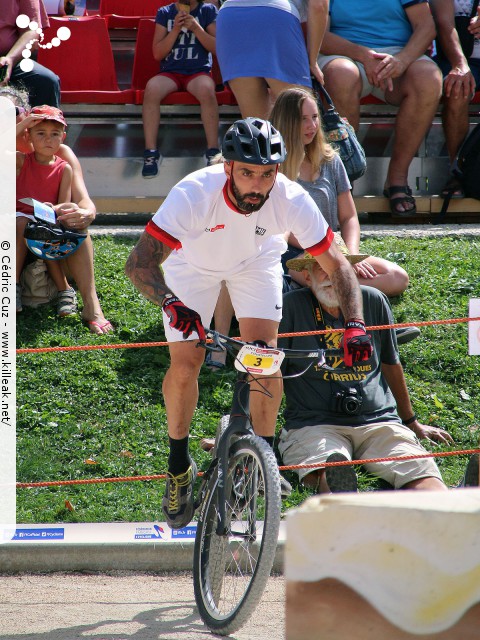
(40, 534)
(106, 532)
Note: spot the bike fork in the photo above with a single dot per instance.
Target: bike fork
(238, 426)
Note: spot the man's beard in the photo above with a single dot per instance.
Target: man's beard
(325, 294)
(248, 207)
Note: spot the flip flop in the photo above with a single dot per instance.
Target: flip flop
(396, 200)
(99, 328)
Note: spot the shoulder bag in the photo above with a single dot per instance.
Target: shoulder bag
(340, 134)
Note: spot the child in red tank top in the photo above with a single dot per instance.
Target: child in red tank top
(45, 177)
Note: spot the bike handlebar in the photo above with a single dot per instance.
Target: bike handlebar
(233, 345)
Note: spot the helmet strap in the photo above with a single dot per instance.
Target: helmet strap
(229, 190)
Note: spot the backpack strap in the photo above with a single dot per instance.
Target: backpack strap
(443, 211)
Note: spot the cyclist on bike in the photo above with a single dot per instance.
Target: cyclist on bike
(227, 223)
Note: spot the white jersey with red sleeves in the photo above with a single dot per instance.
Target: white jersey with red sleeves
(198, 220)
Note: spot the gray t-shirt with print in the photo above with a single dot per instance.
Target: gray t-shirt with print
(324, 190)
(312, 399)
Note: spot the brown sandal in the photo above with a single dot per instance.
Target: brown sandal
(400, 200)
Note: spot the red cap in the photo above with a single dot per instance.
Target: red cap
(49, 113)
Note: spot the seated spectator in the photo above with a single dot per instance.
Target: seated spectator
(361, 414)
(461, 76)
(43, 85)
(261, 48)
(42, 175)
(318, 168)
(183, 42)
(381, 52)
(77, 216)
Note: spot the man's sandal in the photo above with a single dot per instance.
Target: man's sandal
(214, 365)
(404, 199)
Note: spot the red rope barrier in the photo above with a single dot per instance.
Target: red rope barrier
(438, 454)
(343, 463)
(140, 345)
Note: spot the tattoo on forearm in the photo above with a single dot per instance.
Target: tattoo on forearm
(350, 297)
(143, 268)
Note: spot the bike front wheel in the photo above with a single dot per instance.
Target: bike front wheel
(230, 571)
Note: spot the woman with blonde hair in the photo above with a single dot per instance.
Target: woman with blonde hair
(315, 164)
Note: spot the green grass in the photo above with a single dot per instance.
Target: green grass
(90, 414)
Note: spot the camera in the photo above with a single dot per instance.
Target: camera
(348, 402)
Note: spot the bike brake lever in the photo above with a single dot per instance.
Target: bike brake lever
(214, 345)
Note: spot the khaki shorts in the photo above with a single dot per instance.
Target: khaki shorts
(312, 445)
(367, 88)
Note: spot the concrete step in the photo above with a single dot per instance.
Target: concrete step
(124, 210)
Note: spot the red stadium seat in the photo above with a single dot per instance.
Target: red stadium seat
(125, 14)
(370, 99)
(145, 67)
(84, 62)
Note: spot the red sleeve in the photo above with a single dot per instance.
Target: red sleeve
(162, 236)
(323, 245)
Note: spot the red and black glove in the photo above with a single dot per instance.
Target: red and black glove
(182, 318)
(357, 344)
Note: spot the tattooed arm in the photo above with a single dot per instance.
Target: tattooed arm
(344, 282)
(143, 268)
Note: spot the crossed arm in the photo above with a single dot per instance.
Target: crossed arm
(382, 68)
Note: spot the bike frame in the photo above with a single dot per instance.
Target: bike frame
(239, 423)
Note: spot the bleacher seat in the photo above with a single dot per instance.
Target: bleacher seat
(145, 67)
(126, 14)
(84, 62)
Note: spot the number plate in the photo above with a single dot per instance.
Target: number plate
(259, 360)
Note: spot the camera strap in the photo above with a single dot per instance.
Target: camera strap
(319, 317)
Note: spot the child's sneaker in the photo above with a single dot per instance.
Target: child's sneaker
(151, 160)
(210, 155)
(66, 303)
(19, 297)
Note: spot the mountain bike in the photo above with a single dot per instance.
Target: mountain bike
(239, 501)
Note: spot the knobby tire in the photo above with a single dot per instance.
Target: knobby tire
(230, 572)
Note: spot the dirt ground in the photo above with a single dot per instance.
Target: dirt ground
(120, 606)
